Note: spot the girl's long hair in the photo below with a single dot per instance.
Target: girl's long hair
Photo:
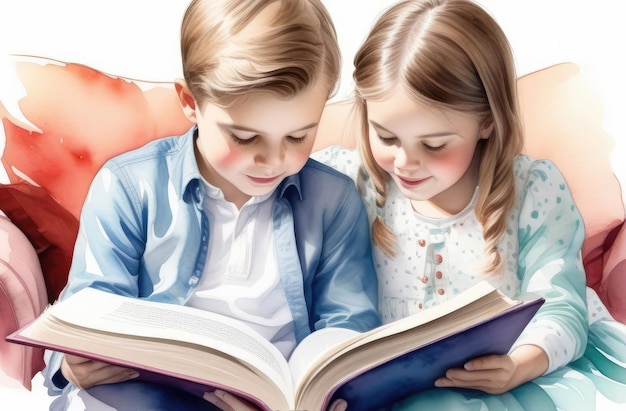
(450, 54)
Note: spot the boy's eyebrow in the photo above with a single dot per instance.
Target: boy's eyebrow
(251, 130)
(440, 134)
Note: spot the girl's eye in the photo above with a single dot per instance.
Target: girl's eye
(388, 141)
(434, 148)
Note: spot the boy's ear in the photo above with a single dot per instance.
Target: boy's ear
(186, 100)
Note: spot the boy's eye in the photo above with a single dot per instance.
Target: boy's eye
(242, 141)
(297, 139)
(251, 139)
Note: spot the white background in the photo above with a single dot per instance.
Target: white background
(139, 39)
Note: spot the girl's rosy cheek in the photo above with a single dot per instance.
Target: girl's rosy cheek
(383, 158)
(452, 164)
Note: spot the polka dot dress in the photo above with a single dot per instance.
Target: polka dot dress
(437, 258)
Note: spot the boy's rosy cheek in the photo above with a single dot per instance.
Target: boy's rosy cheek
(300, 157)
(230, 159)
(228, 155)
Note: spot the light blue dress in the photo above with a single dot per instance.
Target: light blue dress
(438, 258)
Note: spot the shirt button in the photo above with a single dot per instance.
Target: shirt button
(421, 242)
(193, 280)
(439, 275)
(438, 258)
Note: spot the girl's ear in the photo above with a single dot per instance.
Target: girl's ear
(186, 100)
(486, 129)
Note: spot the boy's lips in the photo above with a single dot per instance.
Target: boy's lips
(264, 180)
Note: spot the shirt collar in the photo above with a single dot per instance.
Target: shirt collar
(291, 181)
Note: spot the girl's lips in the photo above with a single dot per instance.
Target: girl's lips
(411, 182)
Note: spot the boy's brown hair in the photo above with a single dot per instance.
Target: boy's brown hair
(231, 48)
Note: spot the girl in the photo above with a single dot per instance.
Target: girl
(227, 217)
(452, 201)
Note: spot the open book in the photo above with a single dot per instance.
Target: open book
(199, 351)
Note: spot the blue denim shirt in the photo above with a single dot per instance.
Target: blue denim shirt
(143, 233)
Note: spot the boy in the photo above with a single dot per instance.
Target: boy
(232, 216)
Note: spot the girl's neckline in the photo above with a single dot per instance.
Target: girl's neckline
(469, 208)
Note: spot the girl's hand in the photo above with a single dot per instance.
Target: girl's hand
(228, 402)
(85, 373)
(496, 374)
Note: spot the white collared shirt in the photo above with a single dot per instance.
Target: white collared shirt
(241, 278)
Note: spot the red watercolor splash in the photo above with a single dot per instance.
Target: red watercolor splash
(86, 118)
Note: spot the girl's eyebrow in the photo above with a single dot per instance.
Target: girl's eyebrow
(224, 126)
(430, 135)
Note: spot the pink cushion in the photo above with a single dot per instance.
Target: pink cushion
(49, 227)
(22, 299)
(613, 287)
(562, 117)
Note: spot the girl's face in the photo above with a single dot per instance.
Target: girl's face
(248, 149)
(429, 153)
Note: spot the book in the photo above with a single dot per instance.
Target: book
(199, 351)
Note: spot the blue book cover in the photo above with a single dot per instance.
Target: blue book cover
(417, 370)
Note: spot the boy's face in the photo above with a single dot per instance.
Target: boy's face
(248, 149)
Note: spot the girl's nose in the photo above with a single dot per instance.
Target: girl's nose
(406, 159)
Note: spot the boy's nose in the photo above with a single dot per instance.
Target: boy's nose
(271, 155)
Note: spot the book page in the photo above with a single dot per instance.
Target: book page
(481, 291)
(108, 312)
(313, 348)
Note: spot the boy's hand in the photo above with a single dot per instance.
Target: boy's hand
(85, 373)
